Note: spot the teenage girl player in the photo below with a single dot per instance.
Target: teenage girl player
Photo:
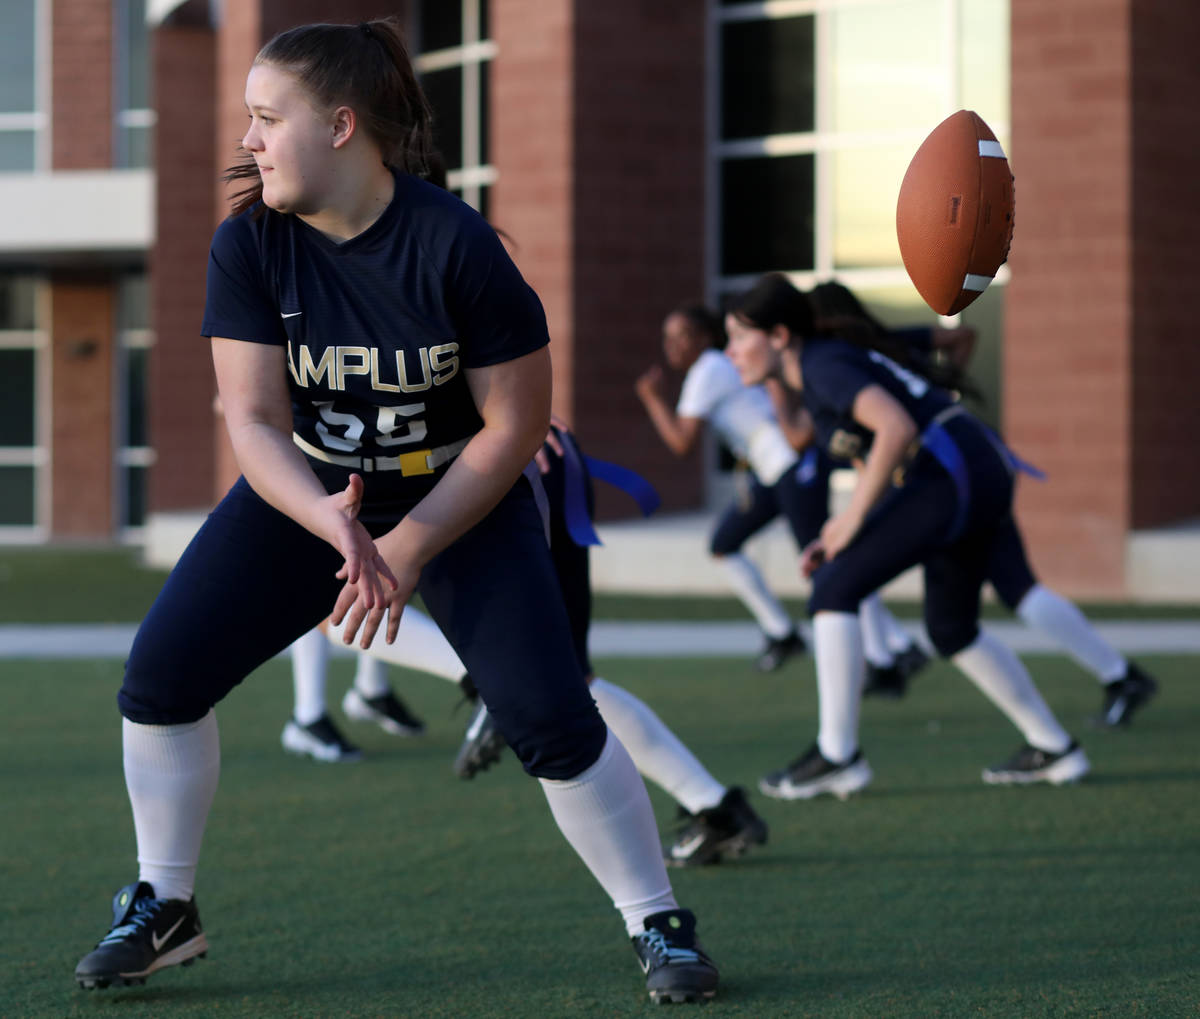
(953, 498)
(385, 378)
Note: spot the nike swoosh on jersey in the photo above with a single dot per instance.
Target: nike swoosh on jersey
(290, 314)
(158, 942)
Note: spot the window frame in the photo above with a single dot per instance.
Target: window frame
(36, 456)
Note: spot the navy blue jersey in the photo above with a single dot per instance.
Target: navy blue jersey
(377, 329)
(835, 372)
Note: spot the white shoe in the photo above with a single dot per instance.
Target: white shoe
(1029, 765)
(320, 740)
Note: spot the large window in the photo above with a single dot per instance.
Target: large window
(23, 366)
(454, 61)
(24, 139)
(133, 127)
(134, 454)
(817, 108)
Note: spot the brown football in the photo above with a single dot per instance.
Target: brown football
(954, 216)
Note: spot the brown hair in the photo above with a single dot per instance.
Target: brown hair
(365, 66)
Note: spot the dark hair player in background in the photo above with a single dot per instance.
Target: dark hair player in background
(385, 379)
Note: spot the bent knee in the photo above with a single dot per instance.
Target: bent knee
(949, 637)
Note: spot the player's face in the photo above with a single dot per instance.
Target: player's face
(751, 351)
(290, 140)
(679, 343)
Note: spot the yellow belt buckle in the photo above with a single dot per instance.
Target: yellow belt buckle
(416, 462)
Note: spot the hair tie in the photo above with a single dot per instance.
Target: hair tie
(365, 28)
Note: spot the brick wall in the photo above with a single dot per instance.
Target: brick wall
(82, 317)
(1069, 310)
(181, 376)
(638, 211)
(81, 85)
(1166, 222)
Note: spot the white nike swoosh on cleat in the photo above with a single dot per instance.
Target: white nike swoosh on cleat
(158, 942)
(290, 314)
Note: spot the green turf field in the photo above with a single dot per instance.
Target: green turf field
(389, 888)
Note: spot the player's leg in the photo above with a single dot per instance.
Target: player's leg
(907, 525)
(310, 731)
(1126, 686)
(495, 595)
(752, 510)
(218, 617)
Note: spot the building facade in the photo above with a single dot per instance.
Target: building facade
(635, 155)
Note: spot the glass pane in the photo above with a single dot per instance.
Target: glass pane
(135, 57)
(485, 85)
(767, 77)
(983, 61)
(17, 294)
(485, 194)
(890, 66)
(986, 315)
(16, 397)
(133, 301)
(865, 185)
(137, 147)
(135, 497)
(16, 151)
(136, 368)
(440, 24)
(16, 496)
(17, 51)
(485, 25)
(897, 307)
(445, 91)
(767, 213)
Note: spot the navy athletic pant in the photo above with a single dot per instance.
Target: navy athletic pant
(911, 525)
(803, 501)
(252, 581)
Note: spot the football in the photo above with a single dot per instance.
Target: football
(954, 216)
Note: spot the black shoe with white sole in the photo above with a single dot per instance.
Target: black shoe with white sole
(812, 774)
(676, 966)
(147, 935)
(885, 681)
(1125, 696)
(778, 650)
(386, 710)
(1029, 765)
(321, 740)
(732, 827)
(482, 744)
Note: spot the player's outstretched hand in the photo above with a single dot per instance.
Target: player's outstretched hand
(650, 383)
(541, 457)
(363, 566)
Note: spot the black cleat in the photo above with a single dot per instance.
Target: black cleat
(813, 774)
(885, 681)
(778, 650)
(676, 966)
(387, 711)
(732, 826)
(1029, 765)
(320, 740)
(147, 935)
(482, 744)
(1124, 696)
(911, 660)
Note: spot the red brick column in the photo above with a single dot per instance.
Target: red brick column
(1069, 311)
(82, 315)
(181, 376)
(81, 120)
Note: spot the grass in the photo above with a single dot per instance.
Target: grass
(390, 888)
(74, 585)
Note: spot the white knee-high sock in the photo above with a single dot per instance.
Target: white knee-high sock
(993, 667)
(841, 671)
(370, 675)
(419, 645)
(606, 815)
(171, 773)
(872, 616)
(1060, 619)
(656, 751)
(749, 586)
(310, 664)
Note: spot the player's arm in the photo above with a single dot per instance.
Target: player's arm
(874, 408)
(678, 433)
(513, 399)
(252, 387)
